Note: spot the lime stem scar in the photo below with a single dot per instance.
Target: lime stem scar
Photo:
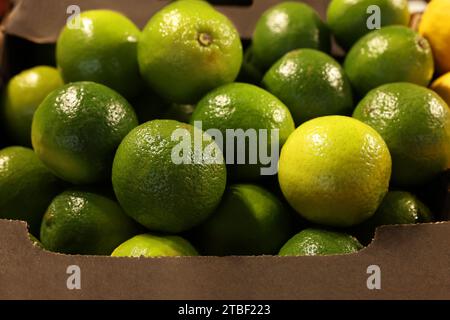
(205, 39)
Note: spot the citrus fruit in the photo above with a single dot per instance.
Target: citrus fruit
(23, 94)
(103, 49)
(435, 27)
(247, 108)
(348, 19)
(26, 186)
(287, 26)
(397, 207)
(415, 123)
(149, 245)
(157, 190)
(249, 221)
(391, 54)
(334, 170)
(187, 49)
(77, 128)
(311, 84)
(79, 222)
(442, 87)
(318, 242)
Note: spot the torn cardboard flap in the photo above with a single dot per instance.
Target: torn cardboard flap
(40, 21)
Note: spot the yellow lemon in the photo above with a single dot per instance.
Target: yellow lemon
(442, 87)
(435, 26)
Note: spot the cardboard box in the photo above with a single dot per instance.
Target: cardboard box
(403, 262)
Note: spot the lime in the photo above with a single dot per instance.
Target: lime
(285, 27)
(187, 49)
(397, 207)
(26, 186)
(348, 19)
(78, 222)
(102, 49)
(317, 242)
(311, 84)
(159, 191)
(21, 98)
(77, 129)
(391, 54)
(249, 221)
(334, 170)
(415, 123)
(248, 108)
(149, 245)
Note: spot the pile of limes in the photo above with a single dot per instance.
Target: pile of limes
(130, 133)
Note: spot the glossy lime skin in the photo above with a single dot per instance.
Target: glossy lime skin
(103, 49)
(244, 106)
(22, 96)
(311, 84)
(249, 221)
(334, 171)
(285, 27)
(26, 187)
(415, 123)
(397, 207)
(77, 129)
(317, 242)
(149, 245)
(187, 49)
(347, 19)
(159, 193)
(391, 54)
(78, 222)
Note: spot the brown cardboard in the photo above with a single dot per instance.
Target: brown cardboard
(414, 260)
(41, 20)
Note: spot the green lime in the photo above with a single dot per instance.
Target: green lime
(247, 108)
(335, 170)
(391, 54)
(249, 221)
(285, 27)
(187, 49)
(157, 187)
(26, 186)
(349, 19)
(77, 129)
(415, 123)
(397, 207)
(103, 49)
(78, 222)
(317, 242)
(21, 98)
(311, 84)
(149, 245)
